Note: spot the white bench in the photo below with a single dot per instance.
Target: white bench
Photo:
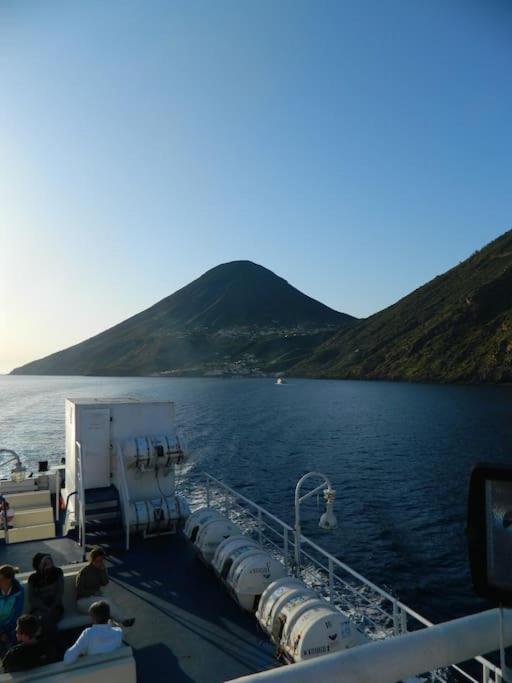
(114, 667)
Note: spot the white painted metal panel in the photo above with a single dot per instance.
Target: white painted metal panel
(70, 481)
(95, 440)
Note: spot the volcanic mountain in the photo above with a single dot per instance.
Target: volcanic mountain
(237, 318)
(456, 328)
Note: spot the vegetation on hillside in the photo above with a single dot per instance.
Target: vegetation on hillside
(456, 328)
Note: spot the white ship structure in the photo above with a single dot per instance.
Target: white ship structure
(222, 589)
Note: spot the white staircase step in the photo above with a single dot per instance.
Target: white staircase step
(30, 499)
(8, 486)
(29, 517)
(31, 533)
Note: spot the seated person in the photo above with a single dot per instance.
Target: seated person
(29, 652)
(90, 582)
(7, 513)
(11, 606)
(100, 638)
(45, 591)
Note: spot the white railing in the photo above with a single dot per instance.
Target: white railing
(398, 659)
(373, 609)
(80, 496)
(122, 484)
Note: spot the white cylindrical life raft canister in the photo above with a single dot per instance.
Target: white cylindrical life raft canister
(144, 452)
(212, 534)
(250, 575)
(197, 519)
(320, 630)
(290, 611)
(158, 515)
(274, 598)
(230, 550)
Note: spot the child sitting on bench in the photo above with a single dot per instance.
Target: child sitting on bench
(99, 638)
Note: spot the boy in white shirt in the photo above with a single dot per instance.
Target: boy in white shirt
(100, 638)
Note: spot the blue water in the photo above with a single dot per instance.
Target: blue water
(399, 456)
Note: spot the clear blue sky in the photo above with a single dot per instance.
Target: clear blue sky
(355, 148)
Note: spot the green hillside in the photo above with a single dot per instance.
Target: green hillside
(456, 328)
(238, 318)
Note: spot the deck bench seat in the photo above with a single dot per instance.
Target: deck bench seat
(114, 667)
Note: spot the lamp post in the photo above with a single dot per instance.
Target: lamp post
(20, 471)
(327, 520)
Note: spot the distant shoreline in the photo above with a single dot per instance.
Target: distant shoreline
(380, 380)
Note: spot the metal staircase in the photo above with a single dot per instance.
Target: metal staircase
(102, 518)
(99, 513)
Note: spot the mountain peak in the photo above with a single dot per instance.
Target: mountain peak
(238, 264)
(241, 268)
(233, 306)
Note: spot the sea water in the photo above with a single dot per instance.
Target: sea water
(399, 456)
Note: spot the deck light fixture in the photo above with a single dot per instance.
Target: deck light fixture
(328, 519)
(19, 472)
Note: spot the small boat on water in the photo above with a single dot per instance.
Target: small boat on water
(280, 380)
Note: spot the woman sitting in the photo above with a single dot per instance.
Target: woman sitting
(45, 591)
(11, 606)
(90, 583)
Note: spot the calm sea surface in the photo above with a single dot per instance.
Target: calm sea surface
(399, 456)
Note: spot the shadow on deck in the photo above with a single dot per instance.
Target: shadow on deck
(186, 625)
(187, 630)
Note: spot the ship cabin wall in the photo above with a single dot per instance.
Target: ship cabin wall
(99, 425)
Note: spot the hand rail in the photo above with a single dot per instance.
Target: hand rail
(124, 494)
(69, 496)
(81, 498)
(57, 495)
(326, 572)
(57, 469)
(396, 659)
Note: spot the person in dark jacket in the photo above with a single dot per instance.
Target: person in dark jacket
(11, 606)
(30, 652)
(91, 581)
(45, 590)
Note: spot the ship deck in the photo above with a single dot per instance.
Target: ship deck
(187, 629)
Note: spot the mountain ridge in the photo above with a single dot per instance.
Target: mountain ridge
(455, 328)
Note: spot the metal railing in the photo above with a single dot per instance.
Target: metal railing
(123, 493)
(378, 613)
(80, 496)
(57, 470)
